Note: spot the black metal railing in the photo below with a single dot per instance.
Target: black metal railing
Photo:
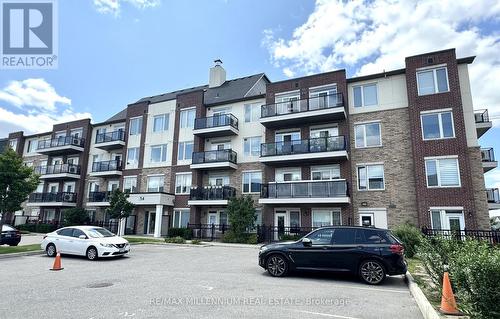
(61, 141)
(209, 232)
(106, 166)
(215, 156)
(99, 197)
(481, 116)
(212, 193)
(311, 145)
(491, 236)
(302, 105)
(60, 197)
(305, 189)
(216, 121)
(58, 169)
(487, 155)
(493, 195)
(110, 137)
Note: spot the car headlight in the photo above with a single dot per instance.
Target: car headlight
(263, 249)
(107, 245)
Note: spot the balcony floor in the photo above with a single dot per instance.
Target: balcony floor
(482, 128)
(215, 165)
(313, 116)
(106, 173)
(60, 176)
(60, 150)
(307, 200)
(305, 157)
(488, 166)
(218, 131)
(202, 202)
(108, 146)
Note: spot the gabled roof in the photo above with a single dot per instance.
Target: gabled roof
(120, 116)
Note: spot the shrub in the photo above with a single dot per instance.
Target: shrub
(252, 239)
(175, 240)
(36, 228)
(196, 242)
(436, 253)
(75, 216)
(185, 233)
(411, 237)
(289, 237)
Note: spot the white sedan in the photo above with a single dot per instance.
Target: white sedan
(91, 241)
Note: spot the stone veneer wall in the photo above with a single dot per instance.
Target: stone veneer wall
(481, 215)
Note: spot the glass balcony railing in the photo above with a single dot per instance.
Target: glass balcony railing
(215, 156)
(58, 169)
(60, 197)
(216, 121)
(305, 189)
(212, 193)
(61, 141)
(106, 166)
(303, 105)
(487, 155)
(311, 145)
(110, 137)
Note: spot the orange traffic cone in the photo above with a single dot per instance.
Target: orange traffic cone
(448, 303)
(57, 263)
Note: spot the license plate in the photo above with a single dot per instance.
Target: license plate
(122, 250)
(8, 235)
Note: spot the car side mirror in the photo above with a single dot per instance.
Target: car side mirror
(82, 237)
(306, 242)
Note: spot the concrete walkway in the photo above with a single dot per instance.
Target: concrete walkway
(30, 239)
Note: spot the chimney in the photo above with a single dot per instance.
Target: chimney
(217, 75)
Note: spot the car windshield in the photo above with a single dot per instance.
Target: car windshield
(7, 228)
(99, 233)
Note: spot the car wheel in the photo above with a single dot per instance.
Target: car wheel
(51, 250)
(372, 272)
(277, 266)
(92, 253)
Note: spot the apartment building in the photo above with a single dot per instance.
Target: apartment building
(382, 149)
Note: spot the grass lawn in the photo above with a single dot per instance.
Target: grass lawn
(417, 270)
(136, 240)
(18, 249)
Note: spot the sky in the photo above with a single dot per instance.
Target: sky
(114, 52)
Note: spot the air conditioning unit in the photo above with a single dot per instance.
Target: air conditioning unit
(68, 197)
(76, 141)
(73, 169)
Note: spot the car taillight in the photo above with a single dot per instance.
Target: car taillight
(397, 249)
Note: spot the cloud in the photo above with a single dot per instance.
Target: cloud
(372, 36)
(35, 107)
(113, 7)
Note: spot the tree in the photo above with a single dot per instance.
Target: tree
(241, 216)
(120, 208)
(17, 181)
(75, 216)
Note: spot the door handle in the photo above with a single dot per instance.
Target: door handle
(360, 247)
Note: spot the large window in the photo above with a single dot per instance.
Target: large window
(183, 183)
(252, 181)
(442, 172)
(185, 151)
(252, 112)
(159, 153)
(251, 146)
(160, 123)
(432, 81)
(365, 95)
(371, 177)
(130, 184)
(135, 126)
(447, 219)
(32, 146)
(437, 125)
(367, 135)
(326, 217)
(187, 118)
(181, 218)
(132, 157)
(155, 183)
(325, 172)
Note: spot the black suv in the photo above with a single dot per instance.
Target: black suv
(372, 253)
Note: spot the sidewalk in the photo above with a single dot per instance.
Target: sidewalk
(30, 239)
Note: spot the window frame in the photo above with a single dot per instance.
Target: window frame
(161, 186)
(439, 113)
(179, 179)
(323, 168)
(184, 123)
(255, 112)
(179, 212)
(436, 159)
(130, 178)
(163, 153)
(362, 87)
(165, 125)
(249, 139)
(363, 124)
(250, 181)
(133, 119)
(136, 158)
(434, 78)
(329, 210)
(183, 146)
(368, 189)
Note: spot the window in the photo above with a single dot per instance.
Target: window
(367, 135)
(437, 125)
(77, 233)
(369, 236)
(442, 172)
(447, 219)
(371, 177)
(65, 232)
(132, 157)
(32, 146)
(252, 112)
(287, 174)
(344, 236)
(155, 183)
(325, 217)
(323, 97)
(365, 95)
(251, 146)
(325, 172)
(321, 237)
(135, 126)
(181, 218)
(324, 132)
(130, 184)
(258, 217)
(252, 181)
(159, 153)
(432, 81)
(160, 123)
(187, 118)
(182, 183)
(185, 151)
(76, 132)
(13, 144)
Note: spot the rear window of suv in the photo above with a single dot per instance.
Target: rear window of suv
(370, 236)
(343, 236)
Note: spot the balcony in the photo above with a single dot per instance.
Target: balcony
(220, 159)
(58, 171)
(305, 192)
(211, 195)
(311, 150)
(110, 141)
(107, 168)
(98, 199)
(217, 125)
(483, 123)
(493, 198)
(61, 145)
(310, 110)
(61, 199)
(488, 159)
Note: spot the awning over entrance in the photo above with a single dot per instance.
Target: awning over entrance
(141, 199)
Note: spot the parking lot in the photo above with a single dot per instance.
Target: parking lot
(167, 281)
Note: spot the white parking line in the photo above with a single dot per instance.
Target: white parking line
(325, 314)
(400, 291)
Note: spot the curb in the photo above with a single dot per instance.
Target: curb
(26, 253)
(427, 310)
